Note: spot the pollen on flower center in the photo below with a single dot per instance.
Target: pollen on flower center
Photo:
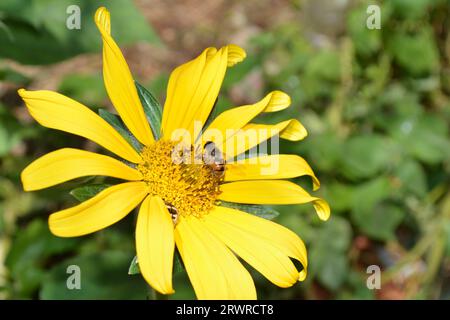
(191, 187)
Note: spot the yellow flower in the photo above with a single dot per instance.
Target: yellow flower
(179, 202)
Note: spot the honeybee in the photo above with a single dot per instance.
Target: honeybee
(214, 158)
(173, 212)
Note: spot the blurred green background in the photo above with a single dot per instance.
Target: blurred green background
(376, 104)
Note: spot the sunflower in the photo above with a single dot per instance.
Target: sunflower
(180, 201)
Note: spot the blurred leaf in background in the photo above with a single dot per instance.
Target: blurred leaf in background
(35, 31)
(97, 270)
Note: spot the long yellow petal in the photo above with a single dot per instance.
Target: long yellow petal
(56, 111)
(67, 164)
(119, 82)
(193, 88)
(178, 90)
(101, 211)
(197, 87)
(287, 241)
(277, 166)
(272, 192)
(256, 247)
(155, 244)
(253, 134)
(230, 121)
(214, 271)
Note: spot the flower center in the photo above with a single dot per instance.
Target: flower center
(187, 183)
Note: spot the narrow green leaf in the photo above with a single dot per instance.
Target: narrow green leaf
(177, 265)
(212, 115)
(134, 267)
(118, 125)
(257, 210)
(152, 109)
(86, 192)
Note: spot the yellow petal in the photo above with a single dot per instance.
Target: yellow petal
(101, 211)
(214, 271)
(67, 164)
(283, 238)
(264, 245)
(119, 82)
(193, 95)
(277, 166)
(230, 121)
(235, 55)
(272, 192)
(53, 110)
(253, 134)
(155, 244)
(178, 90)
(193, 88)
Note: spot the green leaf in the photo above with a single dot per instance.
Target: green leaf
(325, 65)
(86, 192)
(134, 267)
(324, 150)
(335, 235)
(402, 101)
(412, 9)
(30, 251)
(356, 287)
(177, 265)
(424, 137)
(366, 41)
(365, 155)
(40, 34)
(381, 222)
(103, 276)
(333, 270)
(328, 252)
(372, 212)
(119, 126)
(404, 46)
(321, 74)
(152, 109)
(369, 193)
(257, 210)
(86, 88)
(9, 75)
(11, 131)
(339, 196)
(412, 177)
(6, 143)
(212, 115)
